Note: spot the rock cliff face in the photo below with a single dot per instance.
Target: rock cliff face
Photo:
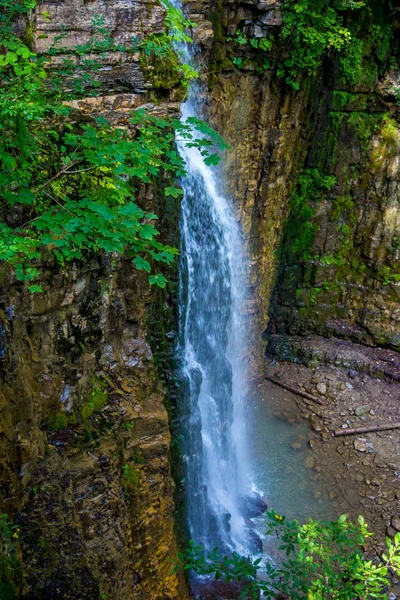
(345, 281)
(84, 431)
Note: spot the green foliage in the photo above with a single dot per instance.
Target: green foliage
(261, 45)
(299, 230)
(388, 275)
(68, 185)
(130, 479)
(57, 422)
(311, 29)
(10, 567)
(323, 561)
(351, 61)
(359, 33)
(97, 399)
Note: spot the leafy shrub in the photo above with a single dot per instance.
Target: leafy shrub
(323, 561)
(69, 184)
(10, 567)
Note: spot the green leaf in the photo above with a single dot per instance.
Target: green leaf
(158, 280)
(212, 159)
(142, 264)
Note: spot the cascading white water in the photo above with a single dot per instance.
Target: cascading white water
(212, 349)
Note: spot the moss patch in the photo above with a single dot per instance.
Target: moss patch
(97, 399)
(130, 479)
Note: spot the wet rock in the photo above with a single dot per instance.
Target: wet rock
(254, 542)
(361, 411)
(204, 589)
(253, 506)
(309, 462)
(391, 531)
(363, 446)
(315, 423)
(396, 522)
(352, 373)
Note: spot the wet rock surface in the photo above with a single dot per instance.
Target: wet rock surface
(84, 432)
(85, 439)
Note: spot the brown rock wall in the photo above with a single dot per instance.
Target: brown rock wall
(84, 432)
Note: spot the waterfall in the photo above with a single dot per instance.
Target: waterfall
(212, 347)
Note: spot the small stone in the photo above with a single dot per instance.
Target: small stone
(312, 444)
(352, 373)
(396, 522)
(392, 596)
(361, 411)
(309, 462)
(391, 531)
(321, 388)
(360, 445)
(349, 386)
(359, 477)
(315, 423)
(317, 494)
(295, 445)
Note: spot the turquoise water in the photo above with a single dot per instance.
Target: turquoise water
(284, 467)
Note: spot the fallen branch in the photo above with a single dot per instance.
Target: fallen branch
(293, 389)
(339, 432)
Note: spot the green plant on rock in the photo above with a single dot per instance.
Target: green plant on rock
(10, 566)
(130, 479)
(311, 29)
(69, 184)
(57, 422)
(299, 231)
(97, 399)
(159, 59)
(322, 561)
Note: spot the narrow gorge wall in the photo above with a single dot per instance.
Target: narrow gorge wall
(84, 429)
(336, 270)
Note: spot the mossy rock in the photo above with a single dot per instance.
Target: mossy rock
(130, 480)
(57, 422)
(97, 399)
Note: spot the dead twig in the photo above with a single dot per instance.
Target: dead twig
(295, 390)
